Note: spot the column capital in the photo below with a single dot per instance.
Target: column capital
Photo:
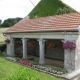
(24, 40)
(41, 41)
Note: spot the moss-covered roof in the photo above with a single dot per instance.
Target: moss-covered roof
(48, 8)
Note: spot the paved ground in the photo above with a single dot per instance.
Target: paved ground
(48, 61)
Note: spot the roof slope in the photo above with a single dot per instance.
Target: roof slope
(51, 23)
(49, 8)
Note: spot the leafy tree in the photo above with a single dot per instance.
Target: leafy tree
(0, 22)
(18, 19)
(10, 22)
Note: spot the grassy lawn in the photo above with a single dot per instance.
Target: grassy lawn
(7, 68)
(2, 38)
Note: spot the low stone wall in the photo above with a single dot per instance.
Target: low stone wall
(74, 75)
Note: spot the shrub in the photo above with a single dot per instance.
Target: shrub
(2, 47)
(25, 63)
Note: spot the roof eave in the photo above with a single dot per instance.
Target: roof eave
(76, 30)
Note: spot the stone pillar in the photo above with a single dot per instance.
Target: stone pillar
(41, 51)
(72, 56)
(24, 41)
(69, 59)
(10, 47)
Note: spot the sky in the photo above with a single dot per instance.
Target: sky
(15, 8)
(75, 4)
(21, 8)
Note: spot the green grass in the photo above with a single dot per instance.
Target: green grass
(7, 68)
(48, 8)
(2, 38)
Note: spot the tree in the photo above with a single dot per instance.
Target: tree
(10, 22)
(0, 22)
(18, 19)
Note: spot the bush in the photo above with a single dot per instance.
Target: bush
(2, 47)
(23, 74)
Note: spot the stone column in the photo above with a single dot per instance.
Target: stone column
(41, 51)
(69, 59)
(24, 41)
(10, 47)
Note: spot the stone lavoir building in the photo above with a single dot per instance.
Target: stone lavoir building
(48, 34)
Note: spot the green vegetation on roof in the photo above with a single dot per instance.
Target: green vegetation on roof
(49, 8)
